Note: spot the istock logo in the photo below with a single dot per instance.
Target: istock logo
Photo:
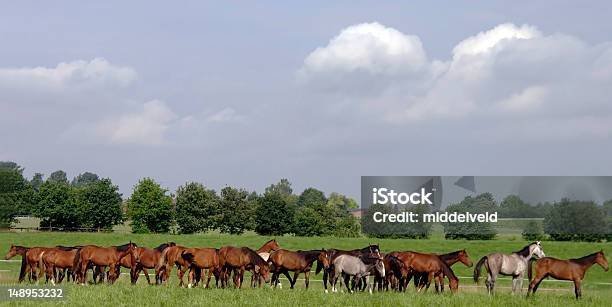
(384, 196)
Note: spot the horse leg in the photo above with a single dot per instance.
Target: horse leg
(346, 283)
(307, 278)
(430, 276)
(441, 281)
(143, 269)
(577, 289)
(241, 276)
(210, 273)
(295, 276)
(286, 273)
(181, 272)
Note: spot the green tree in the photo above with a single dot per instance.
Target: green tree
(235, 211)
(37, 181)
(274, 215)
(571, 220)
(99, 204)
(196, 208)
(607, 206)
(326, 214)
(533, 231)
(84, 178)
(58, 176)
(283, 188)
(150, 207)
(472, 230)
(514, 207)
(308, 222)
(15, 192)
(55, 206)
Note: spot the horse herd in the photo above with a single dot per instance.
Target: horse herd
(390, 271)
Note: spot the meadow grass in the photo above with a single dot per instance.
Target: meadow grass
(597, 286)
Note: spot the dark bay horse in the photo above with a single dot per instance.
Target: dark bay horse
(15, 250)
(170, 257)
(332, 254)
(199, 260)
(429, 264)
(239, 259)
(514, 265)
(92, 255)
(285, 261)
(420, 280)
(572, 269)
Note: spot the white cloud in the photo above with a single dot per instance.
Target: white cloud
(485, 41)
(224, 116)
(528, 99)
(66, 76)
(146, 127)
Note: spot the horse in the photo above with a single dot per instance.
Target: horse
(572, 269)
(298, 262)
(429, 264)
(266, 248)
(169, 257)
(358, 267)
(60, 257)
(395, 272)
(420, 280)
(15, 250)
(239, 259)
(332, 254)
(101, 257)
(198, 259)
(143, 258)
(513, 265)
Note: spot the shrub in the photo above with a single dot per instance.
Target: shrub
(533, 231)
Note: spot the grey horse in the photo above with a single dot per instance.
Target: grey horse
(514, 265)
(348, 265)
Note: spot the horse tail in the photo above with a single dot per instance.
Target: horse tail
(41, 265)
(76, 263)
(24, 267)
(477, 268)
(529, 266)
(187, 256)
(162, 260)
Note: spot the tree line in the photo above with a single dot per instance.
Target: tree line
(90, 202)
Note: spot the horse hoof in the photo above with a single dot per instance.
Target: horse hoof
(326, 291)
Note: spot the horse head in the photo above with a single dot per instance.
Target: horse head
(11, 253)
(537, 250)
(380, 267)
(601, 260)
(323, 258)
(375, 249)
(263, 271)
(465, 258)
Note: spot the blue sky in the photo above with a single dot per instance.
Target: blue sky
(321, 93)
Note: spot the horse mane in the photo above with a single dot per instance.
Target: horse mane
(586, 259)
(369, 248)
(525, 250)
(162, 246)
(449, 255)
(67, 248)
(254, 257)
(21, 249)
(124, 247)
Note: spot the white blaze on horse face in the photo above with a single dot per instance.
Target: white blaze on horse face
(538, 250)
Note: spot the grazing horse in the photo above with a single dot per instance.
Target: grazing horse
(15, 250)
(170, 257)
(358, 267)
(239, 259)
(572, 269)
(264, 252)
(298, 262)
(429, 264)
(61, 257)
(143, 258)
(101, 257)
(514, 265)
(198, 259)
(332, 254)
(420, 280)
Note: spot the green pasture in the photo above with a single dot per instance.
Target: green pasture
(597, 286)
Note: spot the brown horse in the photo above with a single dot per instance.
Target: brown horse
(572, 269)
(420, 280)
(61, 257)
(264, 252)
(170, 257)
(430, 264)
(101, 257)
(198, 259)
(15, 250)
(32, 258)
(239, 259)
(142, 259)
(298, 262)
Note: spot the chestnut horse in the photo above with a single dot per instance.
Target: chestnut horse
(142, 259)
(429, 264)
(420, 280)
(332, 254)
(61, 257)
(298, 262)
(239, 259)
(15, 250)
(572, 269)
(264, 251)
(101, 257)
(170, 257)
(32, 257)
(198, 259)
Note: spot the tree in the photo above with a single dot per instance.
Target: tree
(55, 206)
(15, 192)
(307, 222)
(326, 214)
(196, 208)
(514, 207)
(150, 208)
(37, 181)
(99, 204)
(58, 176)
(235, 211)
(274, 215)
(607, 206)
(84, 178)
(283, 187)
(572, 220)
(472, 230)
(533, 231)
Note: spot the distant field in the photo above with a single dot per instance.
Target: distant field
(597, 286)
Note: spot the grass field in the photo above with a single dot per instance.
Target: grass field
(597, 286)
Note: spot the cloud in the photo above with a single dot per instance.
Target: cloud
(508, 73)
(75, 75)
(224, 116)
(145, 127)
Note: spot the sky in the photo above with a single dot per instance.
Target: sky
(245, 93)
